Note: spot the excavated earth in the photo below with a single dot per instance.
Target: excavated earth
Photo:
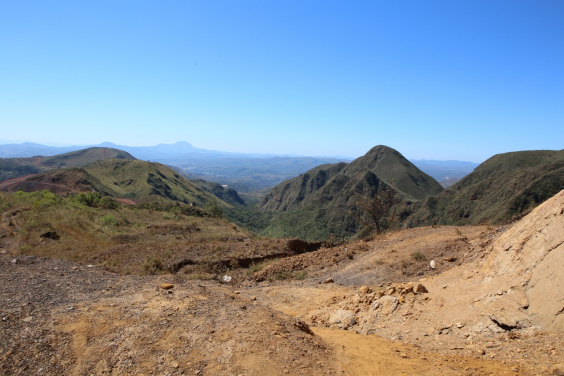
(492, 304)
(63, 318)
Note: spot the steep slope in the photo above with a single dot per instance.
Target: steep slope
(316, 204)
(74, 180)
(501, 189)
(529, 258)
(226, 194)
(140, 180)
(496, 293)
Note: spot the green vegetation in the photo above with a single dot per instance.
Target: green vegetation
(213, 207)
(11, 168)
(125, 239)
(502, 189)
(228, 195)
(377, 212)
(109, 220)
(84, 157)
(318, 203)
(418, 256)
(96, 200)
(15, 167)
(143, 181)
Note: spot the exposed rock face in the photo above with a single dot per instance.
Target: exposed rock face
(531, 254)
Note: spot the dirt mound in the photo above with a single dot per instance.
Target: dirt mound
(398, 256)
(505, 301)
(529, 257)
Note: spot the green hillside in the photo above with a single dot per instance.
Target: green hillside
(83, 157)
(140, 180)
(226, 194)
(501, 189)
(15, 167)
(318, 203)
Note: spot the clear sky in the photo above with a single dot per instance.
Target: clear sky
(433, 79)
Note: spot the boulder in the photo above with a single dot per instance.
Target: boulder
(342, 318)
(420, 289)
(388, 304)
(364, 290)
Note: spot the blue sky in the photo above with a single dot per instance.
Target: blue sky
(433, 79)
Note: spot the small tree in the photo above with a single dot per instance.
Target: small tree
(377, 212)
(212, 207)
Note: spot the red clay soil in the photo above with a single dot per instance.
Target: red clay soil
(29, 184)
(7, 184)
(23, 184)
(33, 186)
(126, 201)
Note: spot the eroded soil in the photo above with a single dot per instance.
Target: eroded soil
(60, 317)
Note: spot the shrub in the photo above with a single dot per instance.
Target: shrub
(96, 200)
(300, 276)
(109, 220)
(48, 199)
(152, 265)
(107, 202)
(282, 275)
(212, 207)
(418, 256)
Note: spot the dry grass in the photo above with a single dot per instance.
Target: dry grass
(130, 240)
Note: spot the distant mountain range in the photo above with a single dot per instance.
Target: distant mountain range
(178, 151)
(315, 204)
(446, 173)
(243, 171)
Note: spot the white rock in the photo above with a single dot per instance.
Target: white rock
(342, 317)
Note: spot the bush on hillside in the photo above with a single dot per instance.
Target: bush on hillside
(96, 200)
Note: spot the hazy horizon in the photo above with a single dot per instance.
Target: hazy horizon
(433, 80)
